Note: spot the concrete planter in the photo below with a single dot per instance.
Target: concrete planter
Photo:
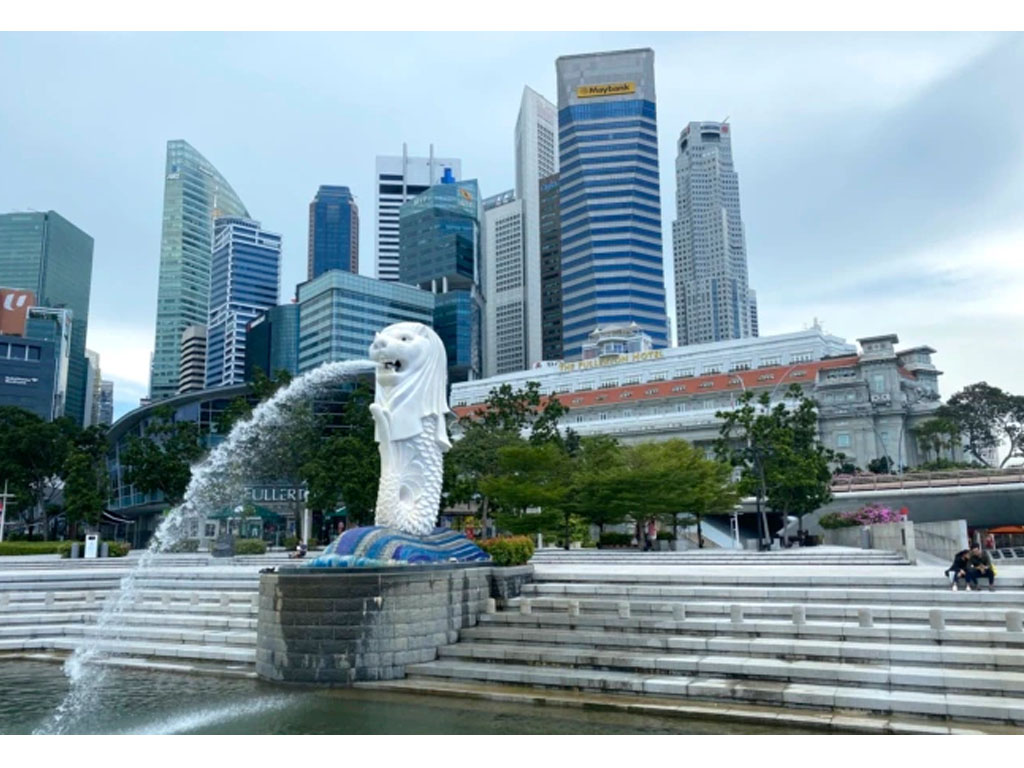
(507, 583)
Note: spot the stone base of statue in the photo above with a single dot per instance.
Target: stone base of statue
(376, 546)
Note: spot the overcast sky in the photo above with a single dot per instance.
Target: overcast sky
(881, 175)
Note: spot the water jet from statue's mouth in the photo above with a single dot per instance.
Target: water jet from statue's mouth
(394, 366)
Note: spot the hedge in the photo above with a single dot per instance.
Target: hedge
(834, 520)
(31, 547)
(508, 550)
(250, 547)
(613, 539)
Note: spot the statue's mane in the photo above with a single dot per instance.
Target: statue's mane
(422, 393)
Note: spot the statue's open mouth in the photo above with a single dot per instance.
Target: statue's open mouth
(392, 365)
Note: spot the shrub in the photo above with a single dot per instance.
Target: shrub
(835, 520)
(118, 548)
(31, 547)
(612, 539)
(872, 514)
(312, 541)
(290, 543)
(665, 536)
(64, 548)
(250, 547)
(23, 536)
(508, 550)
(184, 545)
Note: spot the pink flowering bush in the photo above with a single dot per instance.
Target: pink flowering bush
(872, 514)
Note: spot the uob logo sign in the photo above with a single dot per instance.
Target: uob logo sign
(14, 306)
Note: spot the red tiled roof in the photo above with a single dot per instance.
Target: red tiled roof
(692, 385)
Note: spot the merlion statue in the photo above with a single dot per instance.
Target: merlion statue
(409, 410)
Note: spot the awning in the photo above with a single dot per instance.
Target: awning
(339, 512)
(116, 519)
(1007, 529)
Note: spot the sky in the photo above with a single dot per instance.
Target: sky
(881, 175)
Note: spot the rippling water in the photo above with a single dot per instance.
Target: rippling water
(143, 702)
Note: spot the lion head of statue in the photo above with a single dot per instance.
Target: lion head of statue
(412, 379)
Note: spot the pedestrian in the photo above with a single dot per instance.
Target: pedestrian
(652, 533)
(959, 569)
(980, 566)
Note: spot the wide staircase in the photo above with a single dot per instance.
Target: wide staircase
(894, 642)
(187, 613)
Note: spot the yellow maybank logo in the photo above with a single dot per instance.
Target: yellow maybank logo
(606, 89)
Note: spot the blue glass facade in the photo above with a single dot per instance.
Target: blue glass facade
(440, 251)
(272, 342)
(333, 232)
(609, 200)
(245, 274)
(47, 254)
(339, 312)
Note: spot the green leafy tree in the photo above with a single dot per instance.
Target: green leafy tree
(596, 481)
(86, 482)
(32, 454)
(782, 462)
(986, 416)
(936, 436)
(160, 460)
(531, 475)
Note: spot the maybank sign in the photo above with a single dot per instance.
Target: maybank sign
(605, 89)
(601, 362)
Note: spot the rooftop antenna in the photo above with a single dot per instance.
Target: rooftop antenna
(727, 118)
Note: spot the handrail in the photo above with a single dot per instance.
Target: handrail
(949, 478)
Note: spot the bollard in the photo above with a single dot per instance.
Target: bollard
(799, 614)
(492, 605)
(936, 619)
(574, 607)
(736, 614)
(623, 610)
(524, 606)
(865, 618)
(1015, 621)
(679, 612)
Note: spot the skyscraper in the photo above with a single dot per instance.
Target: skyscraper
(245, 280)
(713, 299)
(536, 158)
(441, 253)
(610, 205)
(106, 403)
(333, 232)
(507, 332)
(272, 341)
(47, 254)
(398, 180)
(192, 375)
(550, 270)
(194, 193)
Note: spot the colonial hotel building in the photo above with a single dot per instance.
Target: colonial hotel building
(869, 401)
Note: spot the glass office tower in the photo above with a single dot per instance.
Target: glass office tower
(333, 232)
(47, 254)
(610, 206)
(194, 194)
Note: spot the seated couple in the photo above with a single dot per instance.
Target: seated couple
(971, 565)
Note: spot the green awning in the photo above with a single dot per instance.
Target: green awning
(249, 513)
(339, 512)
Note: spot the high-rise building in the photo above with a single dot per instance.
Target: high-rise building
(507, 332)
(106, 403)
(536, 158)
(194, 194)
(333, 232)
(94, 377)
(398, 180)
(610, 205)
(441, 252)
(35, 349)
(339, 312)
(550, 270)
(48, 255)
(713, 300)
(245, 281)
(272, 342)
(192, 371)
(754, 329)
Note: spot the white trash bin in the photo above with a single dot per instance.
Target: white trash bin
(92, 545)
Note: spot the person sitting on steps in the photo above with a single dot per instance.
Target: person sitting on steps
(960, 568)
(980, 566)
(300, 551)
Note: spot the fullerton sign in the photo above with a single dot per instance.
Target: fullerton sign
(273, 494)
(601, 362)
(605, 89)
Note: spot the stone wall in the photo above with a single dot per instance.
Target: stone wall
(942, 539)
(339, 626)
(507, 583)
(854, 536)
(893, 537)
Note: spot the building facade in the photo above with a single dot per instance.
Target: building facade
(272, 342)
(194, 194)
(399, 179)
(35, 355)
(868, 402)
(536, 158)
(192, 377)
(90, 412)
(713, 298)
(48, 255)
(245, 281)
(333, 232)
(610, 202)
(550, 269)
(441, 253)
(339, 312)
(508, 308)
(106, 403)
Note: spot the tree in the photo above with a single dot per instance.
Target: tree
(531, 475)
(881, 465)
(86, 482)
(778, 452)
(936, 435)
(260, 388)
(986, 416)
(32, 453)
(161, 459)
(597, 482)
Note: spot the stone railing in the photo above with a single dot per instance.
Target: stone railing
(957, 477)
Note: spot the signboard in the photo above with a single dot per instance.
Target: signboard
(635, 357)
(605, 89)
(269, 494)
(21, 381)
(14, 306)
